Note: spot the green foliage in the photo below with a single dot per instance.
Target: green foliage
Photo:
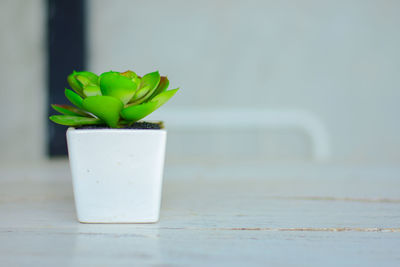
(70, 120)
(116, 85)
(106, 108)
(137, 112)
(113, 98)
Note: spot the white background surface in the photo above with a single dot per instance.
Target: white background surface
(338, 60)
(22, 76)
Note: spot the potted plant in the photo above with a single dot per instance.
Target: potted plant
(116, 160)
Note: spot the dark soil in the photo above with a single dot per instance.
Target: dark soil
(137, 125)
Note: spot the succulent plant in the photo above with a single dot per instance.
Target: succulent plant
(117, 99)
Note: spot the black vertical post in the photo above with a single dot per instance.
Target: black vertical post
(66, 52)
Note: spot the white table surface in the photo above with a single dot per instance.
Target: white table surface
(212, 214)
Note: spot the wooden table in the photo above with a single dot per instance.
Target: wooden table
(232, 214)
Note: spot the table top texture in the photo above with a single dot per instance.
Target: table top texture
(211, 215)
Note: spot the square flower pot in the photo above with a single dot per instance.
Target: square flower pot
(117, 174)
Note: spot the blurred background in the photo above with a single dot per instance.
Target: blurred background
(262, 81)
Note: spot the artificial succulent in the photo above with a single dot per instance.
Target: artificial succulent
(117, 99)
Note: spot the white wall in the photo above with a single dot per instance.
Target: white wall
(22, 76)
(339, 60)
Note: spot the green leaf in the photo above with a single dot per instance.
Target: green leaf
(116, 85)
(83, 80)
(148, 85)
(162, 87)
(77, 85)
(89, 88)
(151, 80)
(135, 113)
(129, 74)
(133, 76)
(142, 92)
(161, 98)
(92, 90)
(89, 75)
(69, 110)
(74, 120)
(106, 108)
(74, 98)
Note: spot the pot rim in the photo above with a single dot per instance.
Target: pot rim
(163, 128)
(72, 129)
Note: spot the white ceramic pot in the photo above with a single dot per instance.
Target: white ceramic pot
(117, 174)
